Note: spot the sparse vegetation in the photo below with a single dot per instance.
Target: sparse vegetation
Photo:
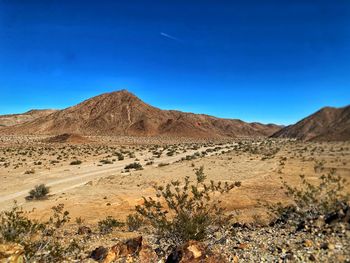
(38, 193)
(40, 241)
(76, 162)
(107, 225)
(136, 166)
(185, 210)
(134, 222)
(311, 223)
(311, 201)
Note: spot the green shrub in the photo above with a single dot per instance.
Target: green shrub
(41, 242)
(120, 156)
(38, 193)
(106, 162)
(135, 165)
(162, 164)
(76, 162)
(134, 222)
(15, 226)
(185, 210)
(106, 225)
(311, 201)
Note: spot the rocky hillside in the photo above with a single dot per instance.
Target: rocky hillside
(14, 119)
(327, 124)
(122, 113)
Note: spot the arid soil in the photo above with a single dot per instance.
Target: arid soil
(100, 186)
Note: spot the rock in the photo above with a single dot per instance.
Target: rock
(90, 183)
(130, 250)
(332, 217)
(193, 251)
(289, 256)
(308, 243)
(343, 214)
(110, 257)
(242, 246)
(320, 222)
(327, 245)
(147, 255)
(312, 257)
(130, 247)
(11, 253)
(83, 230)
(99, 253)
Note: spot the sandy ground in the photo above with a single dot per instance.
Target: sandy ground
(93, 192)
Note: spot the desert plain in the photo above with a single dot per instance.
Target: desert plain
(89, 174)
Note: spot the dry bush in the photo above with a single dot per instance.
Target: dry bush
(313, 201)
(185, 210)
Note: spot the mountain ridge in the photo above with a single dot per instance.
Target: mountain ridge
(122, 113)
(326, 124)
(7, 120)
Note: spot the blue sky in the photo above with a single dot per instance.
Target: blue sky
(268, 61)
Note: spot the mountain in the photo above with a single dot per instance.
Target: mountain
(122, 113)
(13, 119)
(327, 124)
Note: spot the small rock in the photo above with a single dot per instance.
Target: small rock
(99, 253)
(242, 246)
(308, 243)
(193, 251)
(312, 257)
(11, 253)
(131, 246)
(327, 245)
(147, 255)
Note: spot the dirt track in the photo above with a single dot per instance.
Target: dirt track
(73, 177)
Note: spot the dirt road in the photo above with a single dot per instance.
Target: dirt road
(76, 176)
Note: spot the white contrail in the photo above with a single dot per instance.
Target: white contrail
(169, 36)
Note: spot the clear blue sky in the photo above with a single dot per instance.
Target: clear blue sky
(268, 61)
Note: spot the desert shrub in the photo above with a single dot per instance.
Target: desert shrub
(76, 162)
(120, 156)
(58, 219)
(319, 167)
(135, 165)
(171, 153)
(134, 222)
(106, 162)
(79, 221)
(106, 225)
(38, 193)
(31, 171)
(15, 226)
(185, 210)
(312, 201)
(41, 241)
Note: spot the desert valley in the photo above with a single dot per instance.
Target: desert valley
(141, 184)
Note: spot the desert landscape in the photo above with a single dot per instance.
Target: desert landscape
(101, 180)
(174, 131)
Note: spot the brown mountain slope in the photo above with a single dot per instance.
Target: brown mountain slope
(14, 119)
(327, 124)
(122, 113)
